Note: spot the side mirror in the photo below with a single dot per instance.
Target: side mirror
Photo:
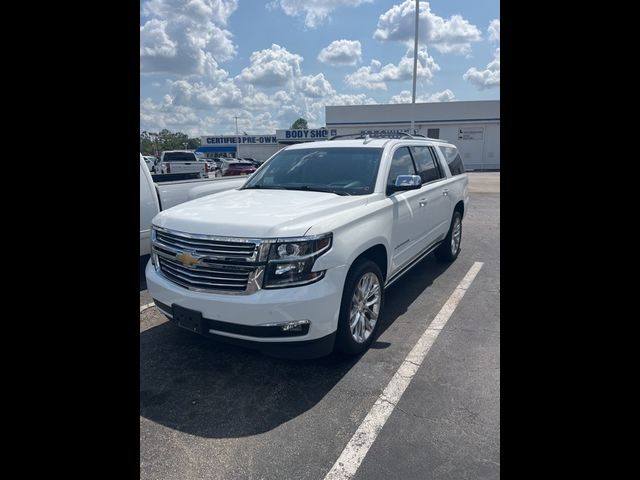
(405, 182)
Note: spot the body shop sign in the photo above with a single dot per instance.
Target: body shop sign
(306, 135)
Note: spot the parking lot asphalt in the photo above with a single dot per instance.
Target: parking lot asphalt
(214, 411)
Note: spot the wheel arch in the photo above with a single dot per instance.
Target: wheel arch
(377, 253)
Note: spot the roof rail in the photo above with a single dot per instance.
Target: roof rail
(367, 137)
(357, 135)
(422, 137)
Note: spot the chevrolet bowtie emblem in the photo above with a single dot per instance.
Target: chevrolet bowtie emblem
(187, 259)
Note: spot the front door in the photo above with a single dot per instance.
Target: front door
(408, 225)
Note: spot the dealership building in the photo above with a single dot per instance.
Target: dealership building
(474, 127)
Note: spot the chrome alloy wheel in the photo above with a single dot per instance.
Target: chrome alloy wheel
(456, 236)
(365, 307)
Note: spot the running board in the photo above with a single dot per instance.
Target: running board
(411, 264)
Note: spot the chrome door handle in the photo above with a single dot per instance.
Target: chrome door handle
(445, 191)
(423, 202)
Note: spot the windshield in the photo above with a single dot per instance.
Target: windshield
(343, 171)
(179, 157)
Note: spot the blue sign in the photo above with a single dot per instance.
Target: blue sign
(242, 139)
(307, 135)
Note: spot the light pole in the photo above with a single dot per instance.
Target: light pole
(155, 138)
(415, 66)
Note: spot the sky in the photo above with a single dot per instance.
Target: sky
(205, 62)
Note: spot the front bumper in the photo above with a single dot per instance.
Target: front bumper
(233, 316)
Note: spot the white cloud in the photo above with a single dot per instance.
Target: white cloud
(199, 96)
(272, 67)
(216, 10)
(196, 110)
(316, 12)
(315, 86)
(165, 114)
(375, 75)
(494, 31)
(487, 78)
(447, 36)
(186, 37)
(154, 117)
(405, 97)
(154, 41)
(341, 52)
(348, 99)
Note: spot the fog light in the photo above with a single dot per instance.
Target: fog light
(294, 326)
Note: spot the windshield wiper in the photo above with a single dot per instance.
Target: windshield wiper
(307, 188)
(272, 187)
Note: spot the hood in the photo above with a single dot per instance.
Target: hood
(255, 213)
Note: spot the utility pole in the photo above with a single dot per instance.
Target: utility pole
(415, 66)
(236, 117)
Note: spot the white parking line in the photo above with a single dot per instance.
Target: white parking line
(353, 454)
(144, 307)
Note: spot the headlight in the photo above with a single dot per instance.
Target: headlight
(291, 261)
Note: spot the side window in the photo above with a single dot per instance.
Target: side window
(453, 160)
(426, 164)
(401, 164)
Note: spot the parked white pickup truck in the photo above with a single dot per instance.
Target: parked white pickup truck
(182, 161)
(296, 262)
(160, 196)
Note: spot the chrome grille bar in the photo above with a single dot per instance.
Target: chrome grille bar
(215, 264)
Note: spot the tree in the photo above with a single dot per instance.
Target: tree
(147, 146)
(166, 140)
(299, 123)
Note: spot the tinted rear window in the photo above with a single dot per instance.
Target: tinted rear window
(426, 164)
(453, 159)
(179, 157)
(240, 165)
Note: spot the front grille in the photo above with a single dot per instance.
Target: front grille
(204, 246)
(207, 275)
(217, 264)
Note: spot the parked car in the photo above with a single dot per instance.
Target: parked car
(219, 161)
(150, 161)
(256, 163)
(232, 167)
(155, 197)
(213, 169)
(296, 261)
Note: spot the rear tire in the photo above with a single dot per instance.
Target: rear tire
(360, 309)
(450, 247)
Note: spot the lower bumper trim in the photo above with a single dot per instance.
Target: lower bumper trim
(300, 350)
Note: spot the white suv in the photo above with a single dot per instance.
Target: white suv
(296, 261)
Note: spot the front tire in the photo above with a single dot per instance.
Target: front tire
(360, 309)
(450, 247)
